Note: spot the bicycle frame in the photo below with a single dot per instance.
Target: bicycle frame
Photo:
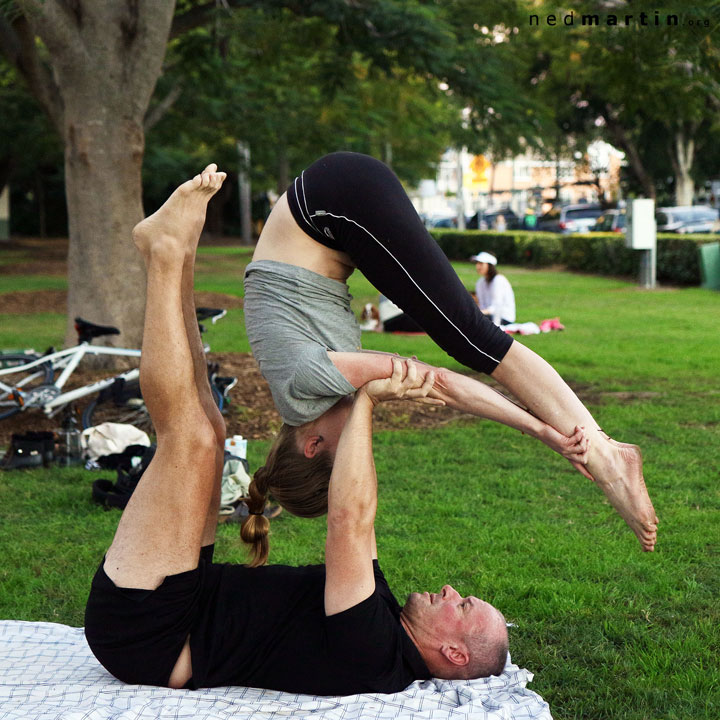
(50, 398)
(69, 359)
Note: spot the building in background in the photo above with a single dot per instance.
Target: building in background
(525, 181)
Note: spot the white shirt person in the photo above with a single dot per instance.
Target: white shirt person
(494, 293)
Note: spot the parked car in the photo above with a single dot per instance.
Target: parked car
(570, 218)
(487, 219)
(611, 221)
(687, 219)
(441, 222)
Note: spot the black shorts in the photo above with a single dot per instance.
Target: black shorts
(356, 204)
(137, 635)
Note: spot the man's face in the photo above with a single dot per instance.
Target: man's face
(449, 615)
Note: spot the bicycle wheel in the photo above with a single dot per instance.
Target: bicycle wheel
(119, 408)
(23, 380)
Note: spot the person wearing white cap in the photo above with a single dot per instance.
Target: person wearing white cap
(494, 293)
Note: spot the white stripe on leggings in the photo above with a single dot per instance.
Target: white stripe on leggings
(297, 197)
(470, 342)
(307, 211)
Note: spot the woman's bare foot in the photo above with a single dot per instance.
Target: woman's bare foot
(176, 226)
(619, 475)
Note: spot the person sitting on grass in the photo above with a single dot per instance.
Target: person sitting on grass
(495, 296)
(349, 211)
(161, 612)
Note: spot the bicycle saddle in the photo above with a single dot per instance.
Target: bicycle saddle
(87, 331)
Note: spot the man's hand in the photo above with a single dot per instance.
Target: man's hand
(402, 385)
(574, 448)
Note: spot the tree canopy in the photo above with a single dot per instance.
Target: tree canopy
(649, 85)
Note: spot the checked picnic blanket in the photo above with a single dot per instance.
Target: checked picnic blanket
(47, 672)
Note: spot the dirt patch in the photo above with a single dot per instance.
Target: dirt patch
(46, 301)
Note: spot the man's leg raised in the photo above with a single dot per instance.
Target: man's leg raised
(202, 384)
(164, 525)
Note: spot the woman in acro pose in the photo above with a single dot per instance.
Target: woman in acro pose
(349, 211)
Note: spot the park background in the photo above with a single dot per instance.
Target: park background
(108, 106)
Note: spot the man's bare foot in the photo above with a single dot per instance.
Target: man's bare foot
(176, 226)
(620, 477)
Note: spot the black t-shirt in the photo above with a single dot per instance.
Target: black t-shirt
(266, 627)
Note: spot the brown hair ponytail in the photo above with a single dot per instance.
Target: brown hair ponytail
(256, 527)
(298, 483)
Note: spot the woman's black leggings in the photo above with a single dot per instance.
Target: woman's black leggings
(356, 204)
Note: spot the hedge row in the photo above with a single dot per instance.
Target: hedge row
(597, 253)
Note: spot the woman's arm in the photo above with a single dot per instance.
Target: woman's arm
(466, 394)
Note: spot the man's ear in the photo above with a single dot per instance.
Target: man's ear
(456, 654)
(311, 446)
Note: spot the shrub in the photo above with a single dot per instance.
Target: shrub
(598, 253)
(678, 260)
(462, 244)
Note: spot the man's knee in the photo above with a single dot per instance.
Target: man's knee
(208, 440)
(193, 435)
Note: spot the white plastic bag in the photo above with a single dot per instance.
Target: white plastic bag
(108, 438)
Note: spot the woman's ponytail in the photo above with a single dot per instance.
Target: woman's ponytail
(298, 483)
(256, 527)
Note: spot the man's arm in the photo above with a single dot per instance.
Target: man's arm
(352, 494)
(464, 393)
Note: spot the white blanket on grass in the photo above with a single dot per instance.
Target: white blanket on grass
(47, 672)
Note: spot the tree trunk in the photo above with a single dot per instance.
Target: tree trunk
(681, 157)
(245, 192)
(106, 277)
(215, 216)
(104, 60)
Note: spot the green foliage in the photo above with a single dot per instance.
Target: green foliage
(677, 256)
(600, 254)
(678, 259)
(284, 85)
(649, 89)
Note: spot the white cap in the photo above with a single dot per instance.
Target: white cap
(485, 257)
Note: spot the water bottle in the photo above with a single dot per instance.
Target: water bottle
(70, 440)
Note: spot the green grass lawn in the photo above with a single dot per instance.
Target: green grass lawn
(609, 632)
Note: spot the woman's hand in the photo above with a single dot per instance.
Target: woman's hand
(402, 385)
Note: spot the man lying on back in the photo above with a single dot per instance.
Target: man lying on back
(161, 612)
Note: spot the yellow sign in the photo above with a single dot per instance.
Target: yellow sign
(478, 177)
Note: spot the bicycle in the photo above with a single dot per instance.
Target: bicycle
(27, 379)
